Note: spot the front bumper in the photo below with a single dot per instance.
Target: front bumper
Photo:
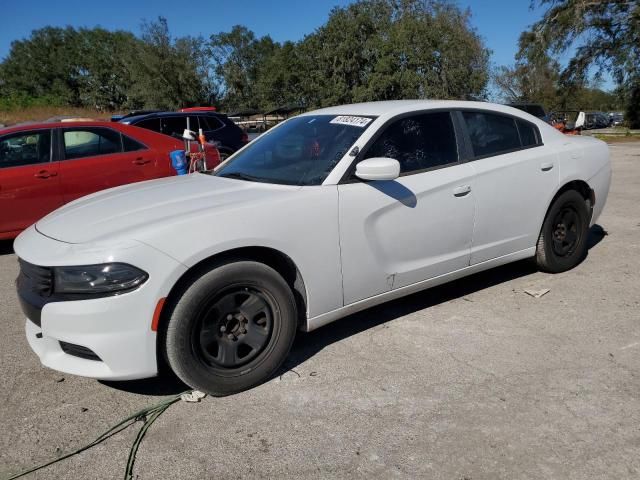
(116, 328)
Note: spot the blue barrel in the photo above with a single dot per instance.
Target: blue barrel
(179, 161)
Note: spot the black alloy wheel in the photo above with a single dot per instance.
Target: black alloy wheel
(567, 231)
(230, 326)
(234, 328)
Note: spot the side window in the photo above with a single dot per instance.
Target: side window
(528, 133)
(173, 126)
(90, 142)
(418, 142)
(491, 134)
(194, 124)
(25, 148)
(131, 145)
(150, 124)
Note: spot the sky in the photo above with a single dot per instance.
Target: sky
(499, 22)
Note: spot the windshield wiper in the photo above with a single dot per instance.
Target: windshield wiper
(244, 176)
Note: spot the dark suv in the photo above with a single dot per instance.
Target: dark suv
(215, 126)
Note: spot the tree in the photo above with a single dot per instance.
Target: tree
(605, 34)
(169, 73)
(237, 56)
(391, 49)
(104, 67)
(280, 78)
(369, 50)
(533, 78)
(43, 66)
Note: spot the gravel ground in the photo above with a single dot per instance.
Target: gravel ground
(472, 380)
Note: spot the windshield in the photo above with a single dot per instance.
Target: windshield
(302, 151)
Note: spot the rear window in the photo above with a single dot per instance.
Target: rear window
(491, 134)
(532, 109)
(528, 133)
(131, 145)
(210, 122)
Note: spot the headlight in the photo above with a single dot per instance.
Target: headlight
(102, 279)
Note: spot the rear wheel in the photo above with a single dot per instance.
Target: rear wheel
(563, 238)
(232, 328)
(224, 154)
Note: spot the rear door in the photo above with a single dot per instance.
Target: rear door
(515, 176)
(29, 179)
(94, 158)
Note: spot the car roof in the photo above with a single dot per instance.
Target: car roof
(137, 118)
(138, 133)
(38, 125)
(396, 107)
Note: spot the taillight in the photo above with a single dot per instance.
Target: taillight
(245, 137)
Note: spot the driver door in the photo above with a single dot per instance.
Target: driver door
(419, 226)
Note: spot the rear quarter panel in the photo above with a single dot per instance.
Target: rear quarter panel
(586, 158)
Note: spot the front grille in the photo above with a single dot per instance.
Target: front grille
(36, 279)
(79, 351)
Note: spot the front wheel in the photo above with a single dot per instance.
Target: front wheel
(232, 328)
(562, 243)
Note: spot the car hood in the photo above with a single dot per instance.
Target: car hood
(127, 210)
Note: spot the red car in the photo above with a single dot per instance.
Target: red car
(45, 165)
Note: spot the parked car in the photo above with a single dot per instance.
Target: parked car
(215, 126)
(46, 165)
(616, 119)
(596, 120)
(569, 122)
(534, 109)
(329, 213)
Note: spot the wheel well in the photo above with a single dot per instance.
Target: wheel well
(275, 259)
(581, 187)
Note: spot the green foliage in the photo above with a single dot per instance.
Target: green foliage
(603, 34)
(168, 73)
(105, 70)
(369, 50)
(238, 56)
(632, 117)
(534, 78)
(19, 101)
(42, 66)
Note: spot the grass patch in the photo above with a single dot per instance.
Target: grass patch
(618, 138)
(40, 113)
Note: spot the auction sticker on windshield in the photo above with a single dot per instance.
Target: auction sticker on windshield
(351, 120)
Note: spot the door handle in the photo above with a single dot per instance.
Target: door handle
(140, 161)
(45, 174)
(461, 191)
(545, 167)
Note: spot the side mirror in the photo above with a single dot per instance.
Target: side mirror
(379, 168)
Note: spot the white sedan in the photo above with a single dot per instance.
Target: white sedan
(328, 213)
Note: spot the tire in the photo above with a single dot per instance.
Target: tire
(231, 329)
(224, 154)
(562, 243)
